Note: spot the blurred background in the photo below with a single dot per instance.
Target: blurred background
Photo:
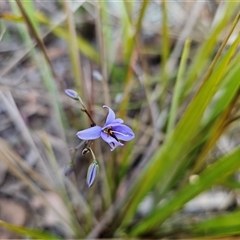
(169, 69)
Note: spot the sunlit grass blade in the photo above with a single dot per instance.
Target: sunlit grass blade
(23, 231)
(11, 17)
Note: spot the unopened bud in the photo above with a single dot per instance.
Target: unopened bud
(72, 94)
(92, 173)
(85, 150)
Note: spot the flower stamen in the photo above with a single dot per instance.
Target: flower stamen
(110, 132)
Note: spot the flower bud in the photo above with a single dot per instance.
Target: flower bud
(72, 94)
(92, 173)
(68, 169)
(85, 151)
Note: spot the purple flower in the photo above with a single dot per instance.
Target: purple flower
(92, 173)
(113, 131)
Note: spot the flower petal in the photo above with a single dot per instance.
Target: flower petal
(110, 116)
(118, 120)
(112, 124)
(123, 132)
(90, 133)
(113, 143)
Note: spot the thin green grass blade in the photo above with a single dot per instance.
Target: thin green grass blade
(214, 174)
(219, 226)
(178, 88)
(33, 233)
(164, 50)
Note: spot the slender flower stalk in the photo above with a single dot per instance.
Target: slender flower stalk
(74, 95)
(91, 151)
